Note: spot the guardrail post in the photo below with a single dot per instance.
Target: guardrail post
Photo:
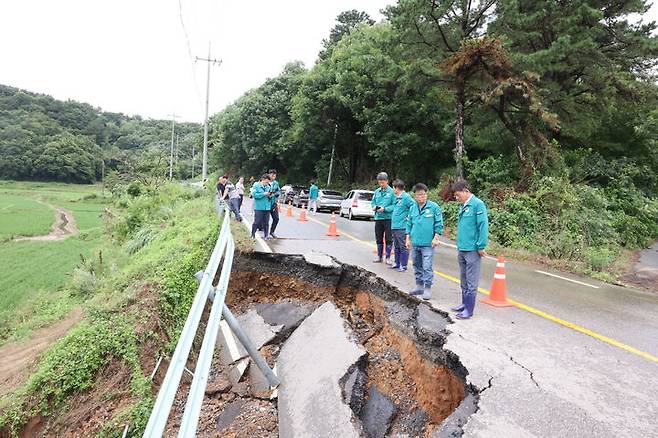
(246, 343)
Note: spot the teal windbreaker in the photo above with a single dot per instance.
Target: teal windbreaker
(313, 192)
(386, 199)
(276, 191)
(401, 211)
(424, 223)
(473, 225)
(261, 202)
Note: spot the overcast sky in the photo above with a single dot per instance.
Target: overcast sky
(131, 56)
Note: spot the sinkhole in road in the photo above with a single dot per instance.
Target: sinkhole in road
(403, 384)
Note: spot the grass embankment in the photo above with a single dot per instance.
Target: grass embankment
(35, 272)
(135, 305)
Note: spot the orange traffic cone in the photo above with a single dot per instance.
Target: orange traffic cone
(333, 231)
(498, 296)
(302, 214)
(289, 212)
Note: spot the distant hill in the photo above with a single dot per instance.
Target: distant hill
(42, 138)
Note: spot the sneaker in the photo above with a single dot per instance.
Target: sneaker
(418, 290)
(427, 294)
(273, 236)
(393, 267)
(459, 308)
(389, 262)
(401, 269)
(377, 261)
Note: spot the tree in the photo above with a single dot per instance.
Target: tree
(437, 29)
(595, 66)
(346, 22)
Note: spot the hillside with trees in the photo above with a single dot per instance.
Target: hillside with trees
(42, 138)
(548, 108)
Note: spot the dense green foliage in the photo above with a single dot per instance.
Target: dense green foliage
(42, 138)
(549, 108)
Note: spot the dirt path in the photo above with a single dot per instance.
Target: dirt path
(63, 227)
(17, 359)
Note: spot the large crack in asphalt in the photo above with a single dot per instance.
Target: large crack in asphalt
(405, 382)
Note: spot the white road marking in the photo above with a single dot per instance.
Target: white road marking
(567, 279)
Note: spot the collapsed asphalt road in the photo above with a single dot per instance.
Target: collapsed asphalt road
(356, 357)
(540, 377)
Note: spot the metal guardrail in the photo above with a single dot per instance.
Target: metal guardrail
(224, 248)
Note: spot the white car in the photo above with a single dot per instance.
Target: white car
(357, 204)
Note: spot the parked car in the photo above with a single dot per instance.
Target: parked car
(288, 192)
(327, 199)
(357, 204)
(300, 198)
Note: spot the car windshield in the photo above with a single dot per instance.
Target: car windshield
(365, 196)
(332, 193)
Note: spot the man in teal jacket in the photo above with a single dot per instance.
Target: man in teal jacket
(262, 206)
(472, 238)
(424, 226)
(403, 203)
(274, 199)
(382, 203)
(313, 193)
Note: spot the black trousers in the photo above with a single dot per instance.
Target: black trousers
(383, 231)
(275, 218)
(261, 222)
(240, 203)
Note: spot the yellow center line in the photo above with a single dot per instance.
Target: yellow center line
(527, 308)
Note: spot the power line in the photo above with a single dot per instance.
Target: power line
(189, 52)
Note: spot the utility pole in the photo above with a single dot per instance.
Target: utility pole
(193, 160)
(210, 61)
(333, 151)
(171, 151)
(177, 149)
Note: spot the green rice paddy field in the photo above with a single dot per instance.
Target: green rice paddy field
(32, 273)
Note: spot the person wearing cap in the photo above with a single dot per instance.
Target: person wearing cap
(403, 203)
(424, 227)
(472, 238)
(262, 206)
(313, 193)
(382, 203)
(274, 199)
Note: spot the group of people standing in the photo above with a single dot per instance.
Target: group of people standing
(265, 192)
(413, 226)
